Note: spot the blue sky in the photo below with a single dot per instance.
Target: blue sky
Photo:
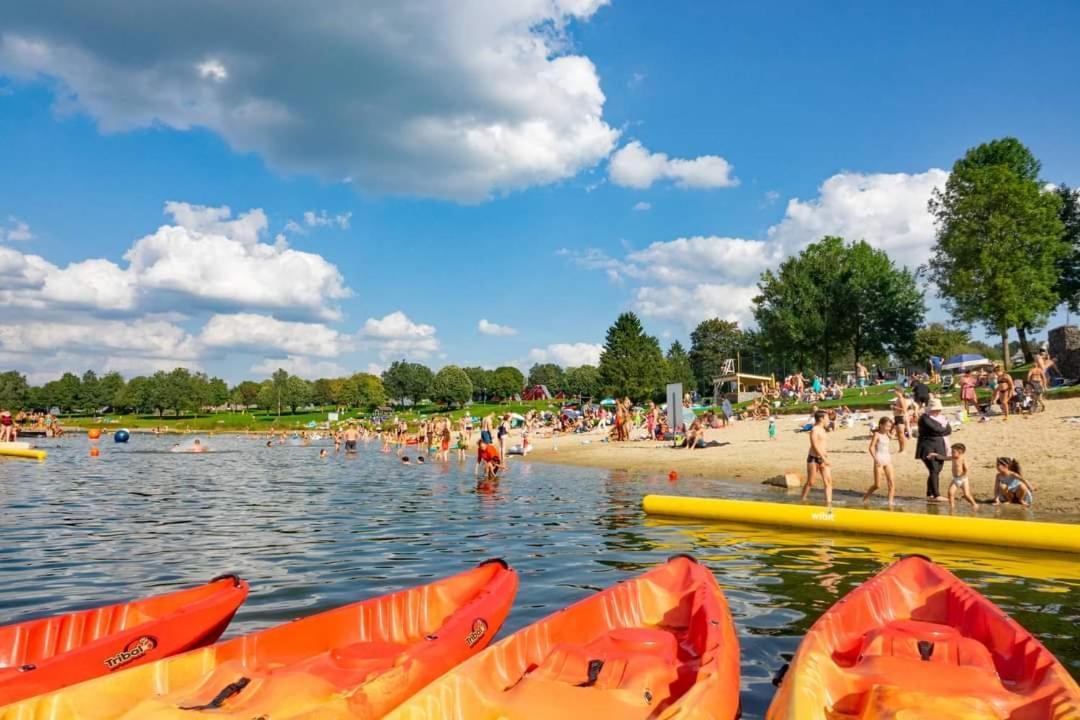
(542, 167)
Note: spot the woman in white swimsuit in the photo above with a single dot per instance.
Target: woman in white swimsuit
(882, 455)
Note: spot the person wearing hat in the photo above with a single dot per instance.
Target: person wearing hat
(932, 447)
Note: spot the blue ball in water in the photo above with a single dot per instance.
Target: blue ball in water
(121, 436)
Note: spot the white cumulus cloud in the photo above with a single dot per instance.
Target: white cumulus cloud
(484, 327)
(568, 354)
(887, 210)
(395, 335)
(449, 99)
(634, 166)
(252, 332)
(641, 206)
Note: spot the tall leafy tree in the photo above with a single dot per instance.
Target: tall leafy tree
(999, 241)
(451, 386)
(407, 381)
(297, 393)
(89, 397)
(1068, 284)
(246, 393)
(833, 299)
(63, 393)
(280, 379)
(583, 381)
(712, 342)
(631, 362)
(110, 387)
(14, 390)
(322, 392)
(885, 304)
(135, 395)
(548, 374)
(364, 390)
(678, 369)
(506, 381)
(481, 382)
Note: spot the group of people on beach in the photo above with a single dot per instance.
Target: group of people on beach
(37, 422)
(932, 447)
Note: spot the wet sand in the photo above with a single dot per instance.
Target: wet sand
(1047, 445)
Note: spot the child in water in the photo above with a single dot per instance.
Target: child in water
(960, 482)
(1010, 485)
(882, 455)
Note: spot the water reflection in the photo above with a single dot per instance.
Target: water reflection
(313, 533)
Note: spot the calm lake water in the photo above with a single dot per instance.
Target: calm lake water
(311, 534)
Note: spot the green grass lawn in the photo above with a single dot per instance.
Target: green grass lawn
(259, 420)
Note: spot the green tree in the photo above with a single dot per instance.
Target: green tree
(407, 381)
(135, 395)
(245, 394)
(322, 392)
(280, 380)
(583, 381)
(267, 396)
(1068, 284)
(297, 393)
(677, 368)
(64, 392)
(451, 386)
(999, 241)
(110, 388)
(886, 305)
(364, 390)
(833, 299)
(481, 382)
(712, 342)
(89, 398)
(505, 382)
(14, 390)
(548, 374)
(631, 363)
(938, 339)
(218, 392)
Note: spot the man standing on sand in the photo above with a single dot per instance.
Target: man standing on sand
(817, 460)
(861, 377)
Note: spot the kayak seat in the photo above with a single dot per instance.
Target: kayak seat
(926, 642)
(624, 658)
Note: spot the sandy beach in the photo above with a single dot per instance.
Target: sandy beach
(1047, 445)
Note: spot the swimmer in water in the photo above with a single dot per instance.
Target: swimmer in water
(322, 453)
(197, 447)
(405, 459)
(420, 459)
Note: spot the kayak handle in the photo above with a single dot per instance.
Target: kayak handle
(595, 666)
(226, 692)
(685, 556)
(497, 560)
(905, 556)
(779, 676)
(227, 576)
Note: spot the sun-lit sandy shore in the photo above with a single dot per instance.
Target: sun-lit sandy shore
(1047, 445)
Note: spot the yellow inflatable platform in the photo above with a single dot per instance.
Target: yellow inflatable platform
(982, 531)
(21, 450)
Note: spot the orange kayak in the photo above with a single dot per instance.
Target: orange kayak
(661, 645)
(915, 641)
(356, 661)
(39, 656)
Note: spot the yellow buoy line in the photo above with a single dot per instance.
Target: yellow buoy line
(1059, 537)
(21, 450)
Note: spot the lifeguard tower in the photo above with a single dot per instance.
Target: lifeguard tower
(738, 386)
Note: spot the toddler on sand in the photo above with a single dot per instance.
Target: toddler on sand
(960, 482)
